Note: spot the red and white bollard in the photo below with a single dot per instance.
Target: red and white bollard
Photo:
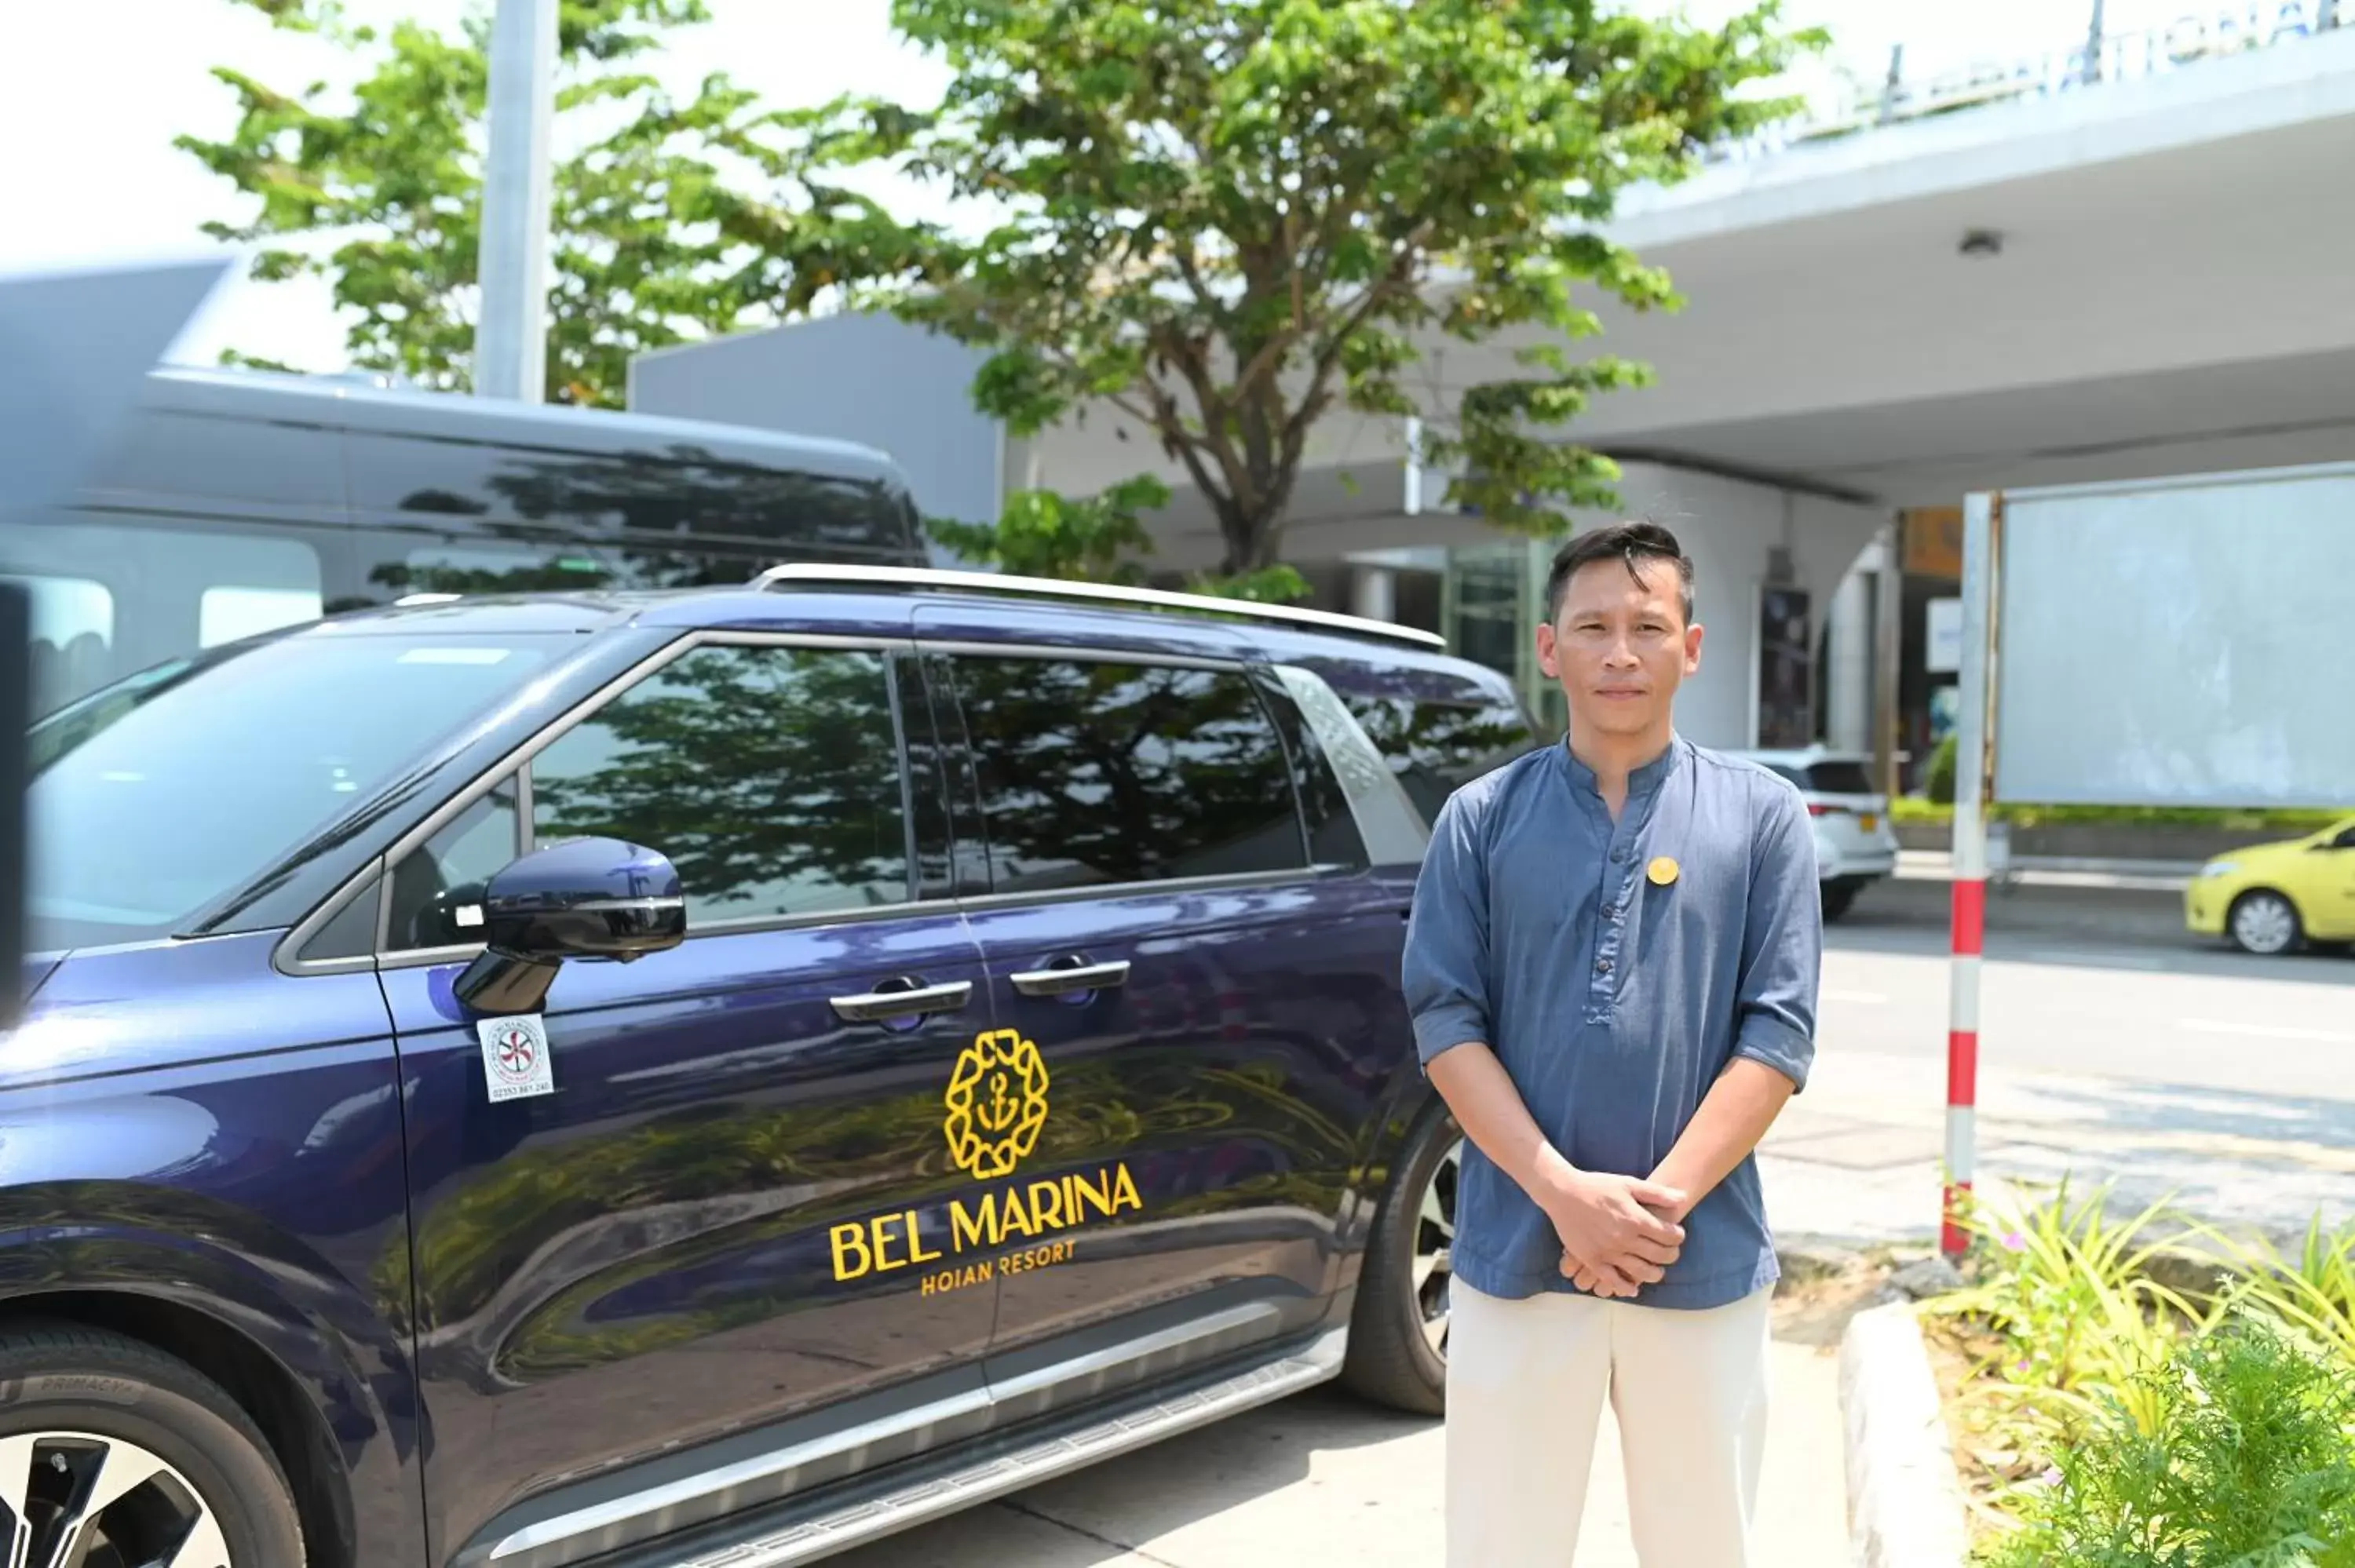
(1973, 749)
(1963, 1047)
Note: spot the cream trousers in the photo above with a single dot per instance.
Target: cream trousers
(1526, 1382)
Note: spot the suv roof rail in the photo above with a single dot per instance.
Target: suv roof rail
(813, 574)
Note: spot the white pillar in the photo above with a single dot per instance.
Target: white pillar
(511, 331)
(1414, 481)
(1848, 696)
(1373, 592)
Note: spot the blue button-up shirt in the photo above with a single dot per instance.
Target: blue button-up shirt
(1614, 998)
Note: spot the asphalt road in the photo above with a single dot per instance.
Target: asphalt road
(2091, 982)
(2116, 1048)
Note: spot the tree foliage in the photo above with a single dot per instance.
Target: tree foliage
(652, 244)
(1098, 539)
(1233, 218)
(1045, 533)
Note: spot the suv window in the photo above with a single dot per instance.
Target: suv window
(770, 776)
(437, 889)
(1095, 772)
(110, 599)
(1436, 749)
(1831, 778)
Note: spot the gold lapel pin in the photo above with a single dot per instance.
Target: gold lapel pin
(1662, 870)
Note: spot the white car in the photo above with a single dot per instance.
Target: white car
(1855, 844)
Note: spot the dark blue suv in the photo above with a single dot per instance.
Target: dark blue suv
(711, 1077)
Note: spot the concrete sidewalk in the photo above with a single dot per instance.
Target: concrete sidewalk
(1322, 1477)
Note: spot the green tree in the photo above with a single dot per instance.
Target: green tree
(652, 246)
(1099, 538)
(1044, 533)
(1230, 219)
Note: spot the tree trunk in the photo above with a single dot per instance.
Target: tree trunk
(1253, 535)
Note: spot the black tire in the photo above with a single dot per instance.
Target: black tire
(1391, 1360)
(1837, 897)
(60, 1378)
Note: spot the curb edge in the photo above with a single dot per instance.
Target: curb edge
(1904, 1497)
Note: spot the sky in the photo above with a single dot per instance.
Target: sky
(88, 174)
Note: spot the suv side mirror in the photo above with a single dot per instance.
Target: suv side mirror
(586, 898)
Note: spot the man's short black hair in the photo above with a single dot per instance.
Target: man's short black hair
(1634, 542)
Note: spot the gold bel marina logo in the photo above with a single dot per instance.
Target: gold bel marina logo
(997, 1104)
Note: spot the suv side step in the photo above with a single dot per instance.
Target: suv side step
(939, 1494)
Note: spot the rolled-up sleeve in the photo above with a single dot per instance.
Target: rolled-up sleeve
(1445, 970)
(1782, 943)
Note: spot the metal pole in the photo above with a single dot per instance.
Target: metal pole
(511, 337)
(2093, 46)
(1888, 631)
(1981, 511)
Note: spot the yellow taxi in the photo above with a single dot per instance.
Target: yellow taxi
(2270, 899)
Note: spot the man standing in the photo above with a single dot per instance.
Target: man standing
(1613, 967)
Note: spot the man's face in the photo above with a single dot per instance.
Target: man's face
(1620, 647)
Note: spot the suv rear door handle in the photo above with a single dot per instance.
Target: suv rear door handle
(867, 1007)
(1065, 979)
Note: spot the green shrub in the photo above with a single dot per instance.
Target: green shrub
(2286, 824)
(2237, 1454)
(2314, 1294)
(2065, 1291)
(2120, 1423)
(1940, 784)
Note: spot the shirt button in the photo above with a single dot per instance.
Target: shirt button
(1603, 966)
(1620, 855)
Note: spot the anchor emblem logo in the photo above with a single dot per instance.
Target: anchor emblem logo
(996, 1103)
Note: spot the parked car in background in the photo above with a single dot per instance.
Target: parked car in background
(711, 1077)
(1855, 843)
(238, 500)
(2272, 898)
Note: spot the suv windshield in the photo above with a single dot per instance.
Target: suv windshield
(154, 796)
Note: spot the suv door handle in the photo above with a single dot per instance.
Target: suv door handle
(1065, 979)
(868, 1007)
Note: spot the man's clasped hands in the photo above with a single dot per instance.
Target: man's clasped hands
(1618, 1233)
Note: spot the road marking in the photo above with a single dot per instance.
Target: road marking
(2090, 959)
(1870, 998)
(2263, 1031)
